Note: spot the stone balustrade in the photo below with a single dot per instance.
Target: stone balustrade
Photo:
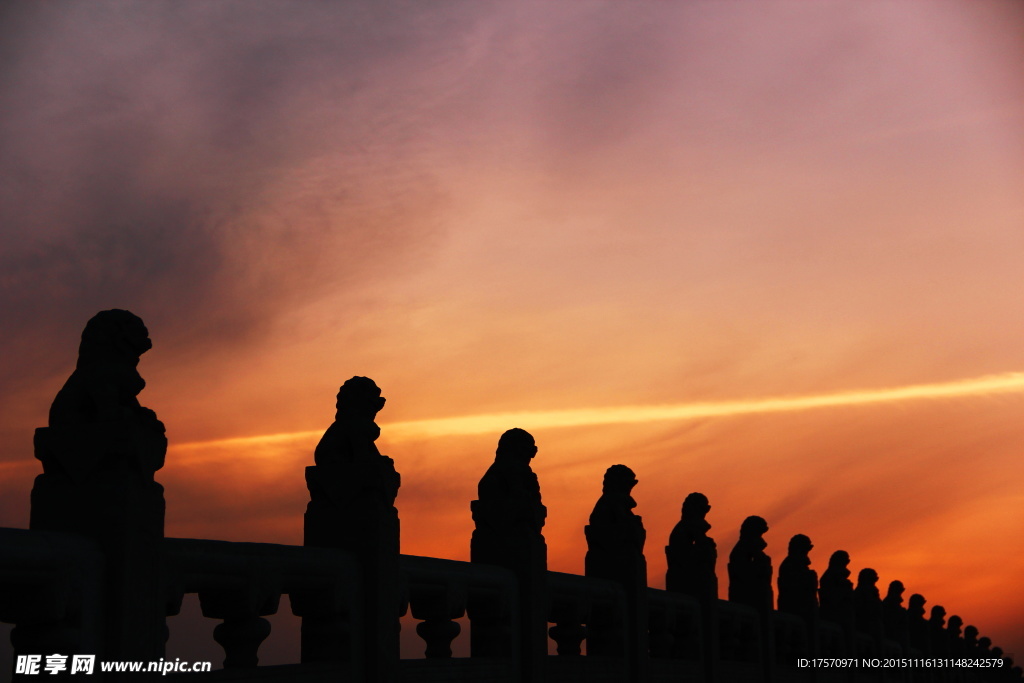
(95, 573)
(49, 587)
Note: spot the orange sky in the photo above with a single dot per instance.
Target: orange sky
(495, 208)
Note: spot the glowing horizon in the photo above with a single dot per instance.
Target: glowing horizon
(985, 385)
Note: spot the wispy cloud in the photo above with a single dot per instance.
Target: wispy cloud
(205, 172)
(988, 385)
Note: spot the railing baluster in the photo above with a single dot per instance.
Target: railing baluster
(242, 605)
(241, 638)
(568, 632)
(437, 605)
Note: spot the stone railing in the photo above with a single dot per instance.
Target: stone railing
(95, 573)
(50, 586)
(439, 592)
(585, 610)
(53, 587)
(241, 583)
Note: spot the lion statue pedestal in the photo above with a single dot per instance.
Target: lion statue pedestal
(99, 454)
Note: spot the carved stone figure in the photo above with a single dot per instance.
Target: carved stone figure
(615, 535)
(106, 382)
(509, 519)
(750, 568)
(937, 638)
(868, 603)
(352, 490)
(615, 551)
(99, 437)
(99, 455)
(836, 592)
(798, 583)
(970, 640)
(691, 553)
(954, 630)
(894, 615)
(96, 422)
(918, 625)
(350, 471)
(509, 506)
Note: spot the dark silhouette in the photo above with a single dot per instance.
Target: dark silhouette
(868, 604)
(691, 553)
(971, 640)
(692, 557)
(836, 592)
(97, 426)
(509, 519)
(750, 568)
(798, 583)
(352, 490)
(895, 624)
(105, 385)
(508, 508)
(99, 456)
(954, 625)
(954, 629)
(615, 551)
(937, 632)
(917, 623)
(350, 470)
(615, 535)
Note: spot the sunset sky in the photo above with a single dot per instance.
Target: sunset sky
(769, 251)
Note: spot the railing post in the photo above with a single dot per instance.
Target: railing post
(330, 624)
(742, 650)
(750, 583)
(49, 587)
(895, 626)
(867, 602)
(691, 557)
(99, 456)
(352, 492)
(615, 551)
(835, 594)
(798, 596)
(508, 518)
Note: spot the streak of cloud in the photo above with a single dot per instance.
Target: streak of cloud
(988, 385)
(476, 424)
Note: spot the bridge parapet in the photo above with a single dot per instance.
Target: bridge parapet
(95, 573)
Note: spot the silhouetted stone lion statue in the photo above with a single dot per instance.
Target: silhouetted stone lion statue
(96, 424)
(105, 384)
(691, 553)
(101, 448)
(509, 502)
(350, 471)
(615, 535)
(750, 568)
(835, 591)
(798, 583)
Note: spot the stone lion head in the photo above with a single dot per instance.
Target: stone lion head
(111, 336)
